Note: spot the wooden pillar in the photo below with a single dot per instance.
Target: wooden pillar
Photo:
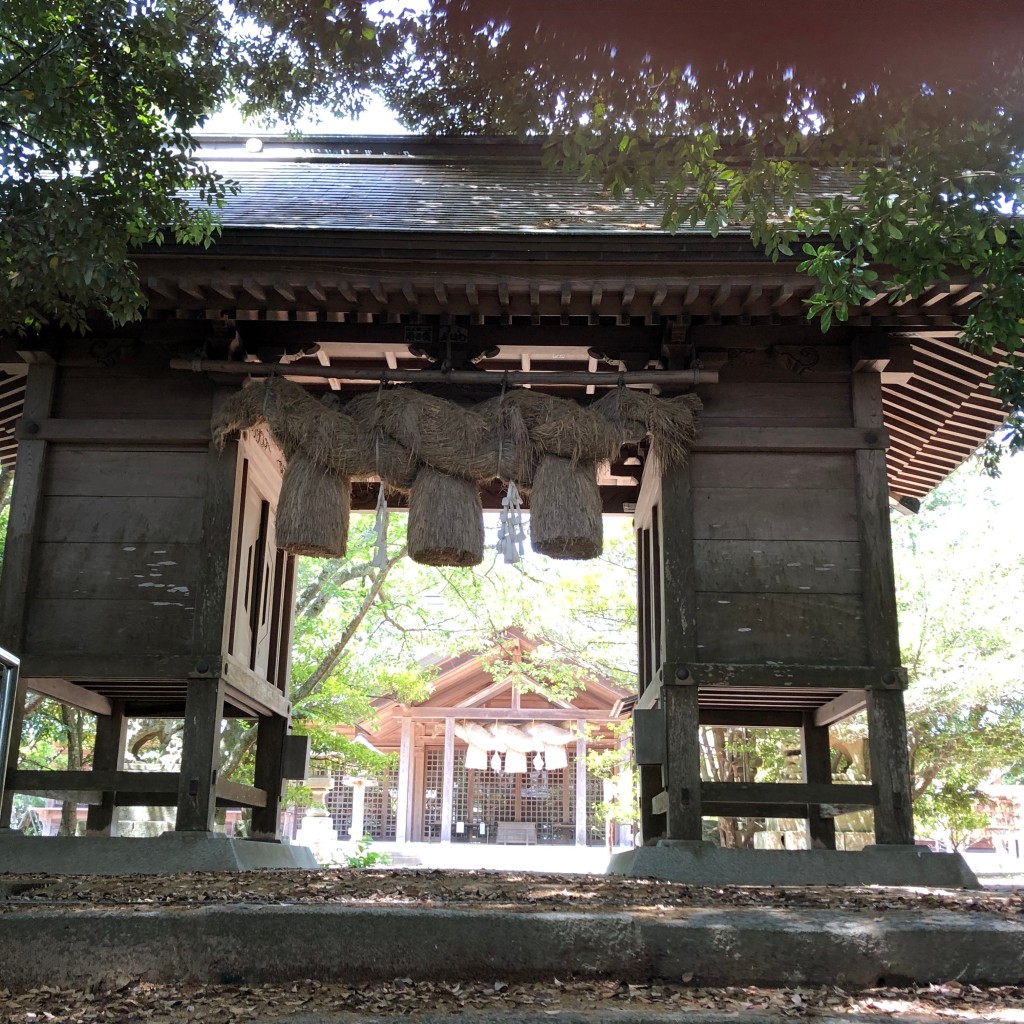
(200, 751)
(211, 596)
(357, 827)
(108, 755)
(887, 727)
(402, 803)
(22, 529)
(271, 731)
(682, 762)
(887, 753)
(817, 767)
(581, 783)
(448, 780)
(679, 695)
(419, 776)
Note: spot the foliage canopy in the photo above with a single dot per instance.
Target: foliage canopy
(721, 127)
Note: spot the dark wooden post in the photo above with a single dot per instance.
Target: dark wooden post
(22, 528)
(887, 751)
(108, 755)
(679, 695)
(270, 739)
(817, 767)
(682, 762)
(197, 801)
(887, 726)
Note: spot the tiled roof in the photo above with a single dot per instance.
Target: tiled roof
(426, 186)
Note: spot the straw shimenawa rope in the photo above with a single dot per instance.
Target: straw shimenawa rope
(537, 440)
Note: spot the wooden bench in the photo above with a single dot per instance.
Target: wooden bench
(521, 832)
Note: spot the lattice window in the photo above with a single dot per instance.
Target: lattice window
(595, 822)
(433, 780)
(543, 797)
(460, 796)
(339, 805)
(381, 809)
(494, 800)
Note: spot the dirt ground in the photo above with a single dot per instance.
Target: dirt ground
(524, 891)
(131, 999)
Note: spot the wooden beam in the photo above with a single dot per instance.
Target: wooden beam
(245, 688)
(652, 692)
(69, 693)
(841, 707)
(235, 794)
(737, 808)
(506, 714)
(805, 793)
(666, 378)
(815, 677)
(325, 360)
(32, 781)
(112, 431)
(750, 717)
(788, 439)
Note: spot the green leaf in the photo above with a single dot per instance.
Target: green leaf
(1000, 236)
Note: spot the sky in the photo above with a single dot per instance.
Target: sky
(377, 119)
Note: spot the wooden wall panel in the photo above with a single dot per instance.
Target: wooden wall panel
(767, 513)
(130, 392)
(768, 566)
(743, 404)
(824, 471)
(809, 629)
(122, 520)
(125, 472)
(121, 572)
(111, 628)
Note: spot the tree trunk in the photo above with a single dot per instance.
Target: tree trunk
(72, 721)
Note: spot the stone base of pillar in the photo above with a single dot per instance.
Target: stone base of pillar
(169, 853)
(702, 863)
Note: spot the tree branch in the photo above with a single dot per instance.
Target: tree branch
(313, 598)
(326, 666)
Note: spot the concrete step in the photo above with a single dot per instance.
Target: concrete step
(235, 944)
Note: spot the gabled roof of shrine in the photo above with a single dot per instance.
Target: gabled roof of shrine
(491, 681)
